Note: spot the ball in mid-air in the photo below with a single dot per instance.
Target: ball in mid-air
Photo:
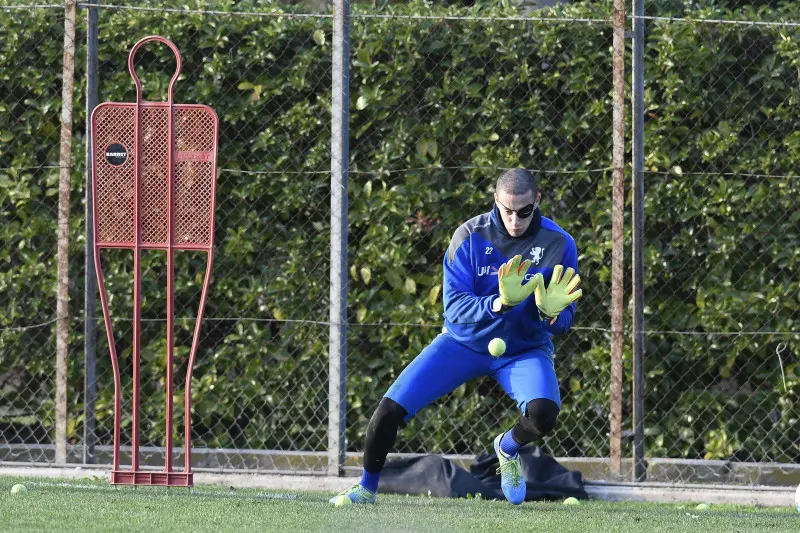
(497, 347)
(18, 489)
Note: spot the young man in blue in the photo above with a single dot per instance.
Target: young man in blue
(494, 272)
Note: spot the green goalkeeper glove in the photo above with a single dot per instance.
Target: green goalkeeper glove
(510, 278)
(559, 294)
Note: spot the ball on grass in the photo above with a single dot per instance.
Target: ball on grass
(702, 507)
(572, 501)
(497, 347)
(797, 499)
(18, 489)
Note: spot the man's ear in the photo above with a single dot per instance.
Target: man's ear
(538, 198)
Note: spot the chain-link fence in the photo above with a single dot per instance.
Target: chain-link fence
(435, 121)
(438, 107)
(29, 144)
(722, 234)
(261, 372)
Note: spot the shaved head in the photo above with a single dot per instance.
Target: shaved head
(517, 182)
(517, 196)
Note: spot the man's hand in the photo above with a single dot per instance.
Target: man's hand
(510, 278)
(559, 294)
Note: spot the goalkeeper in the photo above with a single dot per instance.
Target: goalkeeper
(494, 286)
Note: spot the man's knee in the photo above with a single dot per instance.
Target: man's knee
(389, 413)
(538, 420)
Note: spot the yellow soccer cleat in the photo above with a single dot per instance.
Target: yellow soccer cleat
(512, 480)
(354, 495)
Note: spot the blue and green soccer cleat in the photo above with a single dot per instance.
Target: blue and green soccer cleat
(353, 495)
(511, 479)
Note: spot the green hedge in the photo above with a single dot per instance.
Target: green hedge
(436, 108)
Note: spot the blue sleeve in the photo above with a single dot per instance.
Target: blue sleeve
(567, 316)
(461, 305)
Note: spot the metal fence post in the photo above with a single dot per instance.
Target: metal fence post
(90, 279)
(337, 379)
(637, 218)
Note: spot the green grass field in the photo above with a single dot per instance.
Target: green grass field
(92, 505)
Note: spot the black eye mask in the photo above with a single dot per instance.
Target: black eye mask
(523, 212)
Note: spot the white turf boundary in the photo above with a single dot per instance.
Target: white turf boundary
(643, 492)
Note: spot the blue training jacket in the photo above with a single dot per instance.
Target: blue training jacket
(476, 251)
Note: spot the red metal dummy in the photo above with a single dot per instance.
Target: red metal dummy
(154, 181)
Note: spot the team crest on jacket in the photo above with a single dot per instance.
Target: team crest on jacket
(537, 253)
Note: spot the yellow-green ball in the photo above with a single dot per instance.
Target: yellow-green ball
(18, 489)
(572, 501)
(703, 507)
(497, 347)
